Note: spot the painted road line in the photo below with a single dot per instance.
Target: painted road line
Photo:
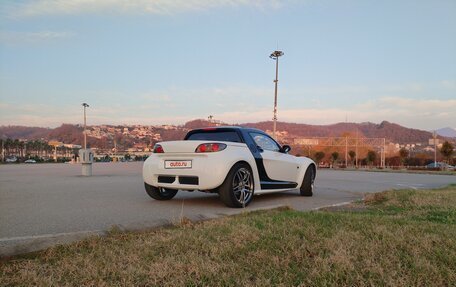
(334, 205)
(41, 236)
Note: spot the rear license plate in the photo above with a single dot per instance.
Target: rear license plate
(176, 164)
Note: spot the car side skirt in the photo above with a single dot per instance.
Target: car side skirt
(268, 191)
(278, 185)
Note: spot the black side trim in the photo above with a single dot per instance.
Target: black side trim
(262, 170)
(278, 184)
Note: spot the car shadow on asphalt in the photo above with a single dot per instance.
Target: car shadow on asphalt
(213, 201)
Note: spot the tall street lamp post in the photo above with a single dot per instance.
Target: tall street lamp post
(435, 149)
(85, 105)
(86, 155)
(275, 56)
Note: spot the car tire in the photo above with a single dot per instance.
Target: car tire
(238, 187)
(160, 193)
(308, 182)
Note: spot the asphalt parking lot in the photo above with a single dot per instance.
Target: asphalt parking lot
(45, 204)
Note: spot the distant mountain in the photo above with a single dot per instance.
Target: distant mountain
(447, 132)
(21, 132)
(67, 133)
(395, 132)
(199, 123)
(390, 131)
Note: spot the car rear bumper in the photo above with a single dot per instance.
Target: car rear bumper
(206, 172)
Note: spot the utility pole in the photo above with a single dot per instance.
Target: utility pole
(435, 149)
(346, 152)
(3, 149)
(356, 150)
(85, 105)
(86, 155)
(275, 56)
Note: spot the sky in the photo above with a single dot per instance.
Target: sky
(170, 61)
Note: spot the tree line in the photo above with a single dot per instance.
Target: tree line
(403, 159)
(30, 149)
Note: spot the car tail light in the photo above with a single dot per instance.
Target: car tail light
(210, 147)
(158, 149)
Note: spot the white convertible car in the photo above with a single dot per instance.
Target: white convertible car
(234, 162)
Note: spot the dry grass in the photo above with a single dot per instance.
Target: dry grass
(403, 238)
(425, 205)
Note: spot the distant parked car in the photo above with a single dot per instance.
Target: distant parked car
(11, 159)
(324, 165)
(441, 165)
(30, 161)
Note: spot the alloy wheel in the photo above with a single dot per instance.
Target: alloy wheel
(243, 186)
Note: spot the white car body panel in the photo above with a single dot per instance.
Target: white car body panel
(211, 168)
(281, 166)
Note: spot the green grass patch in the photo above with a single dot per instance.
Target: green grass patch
(397, 238)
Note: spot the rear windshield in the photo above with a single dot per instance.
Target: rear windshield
(229, 136)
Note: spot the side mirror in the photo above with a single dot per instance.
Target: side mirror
(285, 149)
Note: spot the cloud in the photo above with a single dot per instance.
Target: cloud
(415, 113)
(336, 90)
(407, 87)
(32, 37)
(417, 105)
(211, 97)
(37, 115)
(68, 7)
(449, 84)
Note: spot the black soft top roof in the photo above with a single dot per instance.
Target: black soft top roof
(225, 128)
(237, 129)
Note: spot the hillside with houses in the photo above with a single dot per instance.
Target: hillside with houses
(108, 140)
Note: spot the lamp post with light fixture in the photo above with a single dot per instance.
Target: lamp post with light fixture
(85, 105)
(85, 154)
(435, 149)
(275, 56)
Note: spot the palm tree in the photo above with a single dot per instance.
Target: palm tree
(37, 147)
(8, 146)
(16, 146)
(21, 146)
(2, 143)
(29, 148)
(334, 157)
(447, 151)
(403, 154)
(47, 149)
(371, 156)
(42, 148)
(352, 155)
(319, 155)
